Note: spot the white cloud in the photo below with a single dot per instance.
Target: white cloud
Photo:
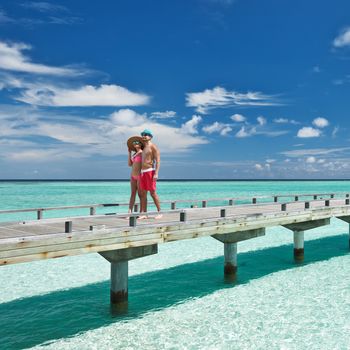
(219, 97)
(285, 121)
(343, 39)
(311, 160)
(316, 69)
(320, 122)
(163, 115)
(43, 6)
(335, 131)
(60, 136)
(190, 127)
(258, 167)
(243, 133)
(217, 127)
(314, 151)
(104, 95)
(238, 118)
(261, 120)
(225, 131)
(308, 132)
(13, 59)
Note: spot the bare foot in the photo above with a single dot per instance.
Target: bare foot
(142, 217)
(159, 216)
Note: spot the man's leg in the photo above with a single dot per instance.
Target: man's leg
(156, 202)
(143, 200)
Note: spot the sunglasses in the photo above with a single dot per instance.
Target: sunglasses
(136, 143)
(145, 134)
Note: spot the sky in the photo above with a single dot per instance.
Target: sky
(231, 89)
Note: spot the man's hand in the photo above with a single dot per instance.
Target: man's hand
(155, 177)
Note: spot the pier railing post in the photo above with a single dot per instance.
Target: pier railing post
(254, 200)
(204, 204)
(173, 205)
(284, 206)
(92, 211)
(307, 205)
(183, 216)
(275, 199)
(39, 214)
(136, 207)
(230, 202)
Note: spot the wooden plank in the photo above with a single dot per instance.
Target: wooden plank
(80, 244)
(78, 251)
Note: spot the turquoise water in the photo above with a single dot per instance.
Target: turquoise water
(178, 299)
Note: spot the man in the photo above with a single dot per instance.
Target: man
(149, 172)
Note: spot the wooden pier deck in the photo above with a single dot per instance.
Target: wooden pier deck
(122, 237)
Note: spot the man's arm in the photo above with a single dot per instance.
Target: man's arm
(157, 158)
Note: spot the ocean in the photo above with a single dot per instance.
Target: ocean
(178, 298)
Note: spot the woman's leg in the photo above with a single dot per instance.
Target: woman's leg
(133, 188)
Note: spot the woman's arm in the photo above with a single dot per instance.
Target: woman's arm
(129, 158)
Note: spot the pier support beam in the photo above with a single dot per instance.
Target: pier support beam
(346, 219)
(298, 229)
(119, 260)
(230, 249)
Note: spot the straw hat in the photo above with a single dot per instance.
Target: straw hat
(131, 140)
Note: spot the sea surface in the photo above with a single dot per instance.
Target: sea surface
(178, 298)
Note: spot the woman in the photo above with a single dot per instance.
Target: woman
(135, 145)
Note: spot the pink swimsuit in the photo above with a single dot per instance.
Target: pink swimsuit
(136, 158)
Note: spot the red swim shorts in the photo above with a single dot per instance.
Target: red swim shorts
(147, 183)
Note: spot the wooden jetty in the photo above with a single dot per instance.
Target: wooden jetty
(122, 237)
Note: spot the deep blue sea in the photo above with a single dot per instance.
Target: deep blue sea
(178, 298)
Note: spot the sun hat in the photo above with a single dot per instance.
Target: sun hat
(147, 131)
(134, 140)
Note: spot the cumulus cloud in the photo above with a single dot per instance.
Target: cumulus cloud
(216, 127)
(261, 120)
(245, 132)
(311, 160)
(53, 134)
(88, 95)
(163, 115)
(320, 122)
(13, 59)
(307, 131)
(190, 127)
(219, 97)
(258, 166)
(238, 118)
(343, 39)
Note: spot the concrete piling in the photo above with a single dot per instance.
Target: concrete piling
(230, 256)
(298, 246)
(119, 283)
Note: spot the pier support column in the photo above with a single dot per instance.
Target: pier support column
(230, 254)
(230, 249)
(298, 229)
(298, 246)
(119, 260)
(119, 282)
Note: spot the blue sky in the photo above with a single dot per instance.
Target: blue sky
(237, 89)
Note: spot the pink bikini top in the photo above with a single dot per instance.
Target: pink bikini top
(137, 158)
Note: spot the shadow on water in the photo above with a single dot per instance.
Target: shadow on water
(34, 320)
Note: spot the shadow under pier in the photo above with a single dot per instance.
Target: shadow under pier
(30, 321)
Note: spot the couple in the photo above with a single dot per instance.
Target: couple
(144, 163)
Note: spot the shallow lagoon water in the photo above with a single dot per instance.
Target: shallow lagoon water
(178, 299)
